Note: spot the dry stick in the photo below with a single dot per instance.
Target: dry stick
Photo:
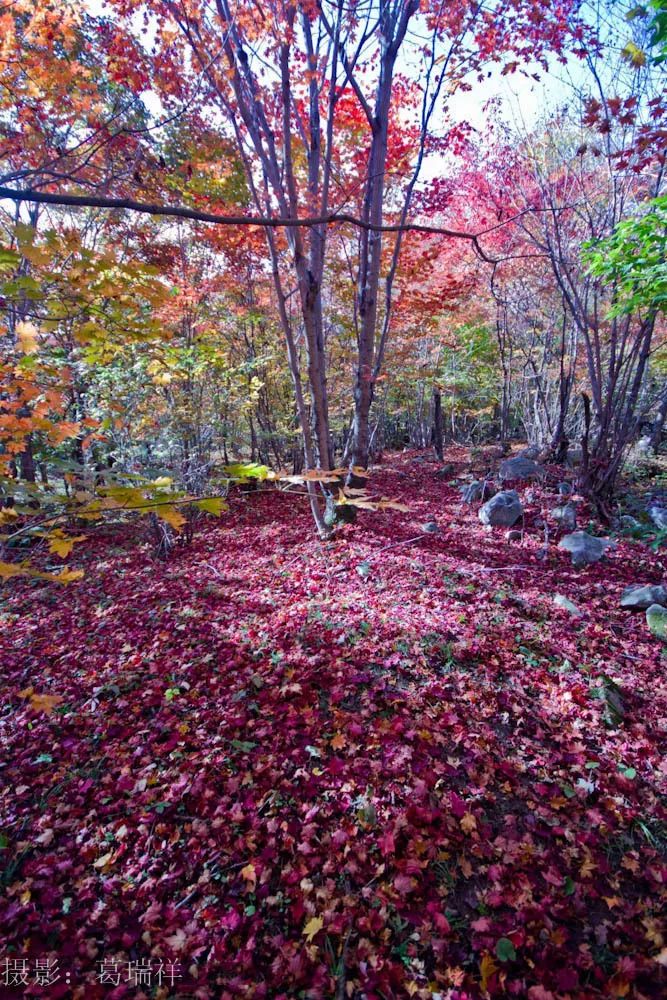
(500, 569)
(207, 864)
(405, 541)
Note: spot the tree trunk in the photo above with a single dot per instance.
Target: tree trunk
(438, 435)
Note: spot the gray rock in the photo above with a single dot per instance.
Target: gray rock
(640, 450)
(585, 549)
(532, 451)
(656, 619)
(575, 456)
(565, 516)
(514, 535)
(431, 528)
(502, 510)
(639, 598)
(565, 489)
(477, 490)
(520, 467)
(565, 604)
(658, 515)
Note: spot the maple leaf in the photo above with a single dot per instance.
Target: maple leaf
(41, 702)
(171, 515)
(177, 940)
(487, 968)
(62, 544)
(404, 884)
(28, 336)
(66, 575)
(250, 875)
(8, 570)
(103, 861)
(468, 823)
(312, 927)
(338, 742)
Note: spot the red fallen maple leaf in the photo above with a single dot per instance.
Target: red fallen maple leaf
(404, 884)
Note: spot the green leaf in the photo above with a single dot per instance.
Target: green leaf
(569, 886)
(505, 950)
(212, 505)
(249, 470)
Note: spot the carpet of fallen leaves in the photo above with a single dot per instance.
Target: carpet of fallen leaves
(353, 769)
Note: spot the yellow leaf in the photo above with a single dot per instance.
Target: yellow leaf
(212, 505)
(313, 927)
(25, 897)
(338, 742)
(27, 336)
(103, 861)
(249, 874)
(487, 967)
(468, 823)
(171, 516)
(44, 702)
(62, 544)
(8, 570)
(65, 575)
(634, 55)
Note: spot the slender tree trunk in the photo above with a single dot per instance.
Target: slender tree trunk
(659, 423)
(438, 435)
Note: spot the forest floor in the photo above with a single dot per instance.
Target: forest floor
(282, 768)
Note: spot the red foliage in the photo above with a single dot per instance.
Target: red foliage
(373, 776)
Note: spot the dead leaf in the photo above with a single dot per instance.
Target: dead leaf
(313, 927)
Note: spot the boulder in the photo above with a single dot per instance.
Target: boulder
(520, 467)
(585, 549)
(658, 515)
(656, 619)
(532, 451)
(565, 604)
(502, 510)
(514, 535)
(431, 528)
(471, 492)
(565, 516)
(640, 451)
(639, 598)
(476, 490)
